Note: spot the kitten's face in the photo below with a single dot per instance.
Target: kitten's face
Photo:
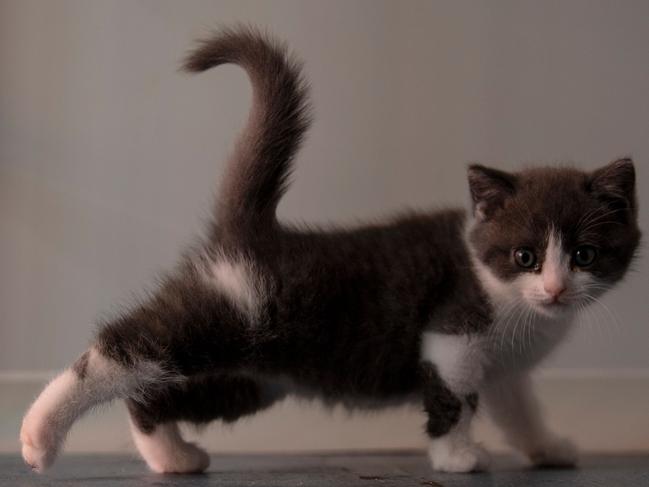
(554, 238)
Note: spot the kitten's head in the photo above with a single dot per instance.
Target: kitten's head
(554, 238)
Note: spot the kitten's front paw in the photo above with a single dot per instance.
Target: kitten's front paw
(467, 457)
(165, 451)
(555, 453)
(39, 448)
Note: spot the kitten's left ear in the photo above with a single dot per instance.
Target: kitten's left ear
(615, 183)
(489, 189)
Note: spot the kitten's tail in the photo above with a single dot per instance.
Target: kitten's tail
(258, 172)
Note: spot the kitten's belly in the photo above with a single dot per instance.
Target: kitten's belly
(284, 386)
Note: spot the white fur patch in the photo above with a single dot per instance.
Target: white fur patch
(67, 397)
(513, 407)
(165, 451)
(456, 451)
(556, 266)
(459, 359)
(239, 281)
(516, 411)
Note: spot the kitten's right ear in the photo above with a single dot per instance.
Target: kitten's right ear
(489, 189)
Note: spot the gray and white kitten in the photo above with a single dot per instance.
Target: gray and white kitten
(442, 308)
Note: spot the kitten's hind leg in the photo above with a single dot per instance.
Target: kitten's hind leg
(183, 330)
(198, 400)
(92, 380)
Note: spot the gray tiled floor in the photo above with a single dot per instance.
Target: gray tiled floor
(375, 469)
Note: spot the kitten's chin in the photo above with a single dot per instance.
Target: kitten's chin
(552, 310)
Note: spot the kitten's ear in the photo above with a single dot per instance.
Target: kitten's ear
(615, 184)
(489, 189)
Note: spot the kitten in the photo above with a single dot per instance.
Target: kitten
(442, 308)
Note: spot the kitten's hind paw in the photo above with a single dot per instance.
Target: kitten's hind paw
(47, 421)
(467, 457)
(37, 452)
(555, 453)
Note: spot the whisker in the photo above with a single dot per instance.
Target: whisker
(585, 320)
(593, 321)
(587, 216)
(501, 325)
(531, 328)
(505, 326)
(596, 218)
(516, 324)
(613, 318)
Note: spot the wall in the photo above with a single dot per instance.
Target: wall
(109, 156)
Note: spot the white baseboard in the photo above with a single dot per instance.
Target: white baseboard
(41, 376)
(600, 410)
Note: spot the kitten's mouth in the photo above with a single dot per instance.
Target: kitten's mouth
(552, 307)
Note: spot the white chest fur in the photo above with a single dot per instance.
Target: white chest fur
(520, 339)
(517, 341)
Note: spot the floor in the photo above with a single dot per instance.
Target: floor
(333, 470)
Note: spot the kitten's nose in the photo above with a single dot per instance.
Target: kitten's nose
(554, 289)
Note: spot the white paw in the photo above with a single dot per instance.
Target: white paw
(555, 452)
(47, 421)
(165, 451)
(39, 447)
(186, 458)
(467, 457)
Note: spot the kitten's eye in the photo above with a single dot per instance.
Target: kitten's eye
(525, 257)
(584, 255)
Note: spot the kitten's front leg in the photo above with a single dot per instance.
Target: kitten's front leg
(513, 407)
(453, 369)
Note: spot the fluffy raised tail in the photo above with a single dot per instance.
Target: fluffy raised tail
(258, 171)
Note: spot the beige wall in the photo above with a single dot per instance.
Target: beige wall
(108, 156)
